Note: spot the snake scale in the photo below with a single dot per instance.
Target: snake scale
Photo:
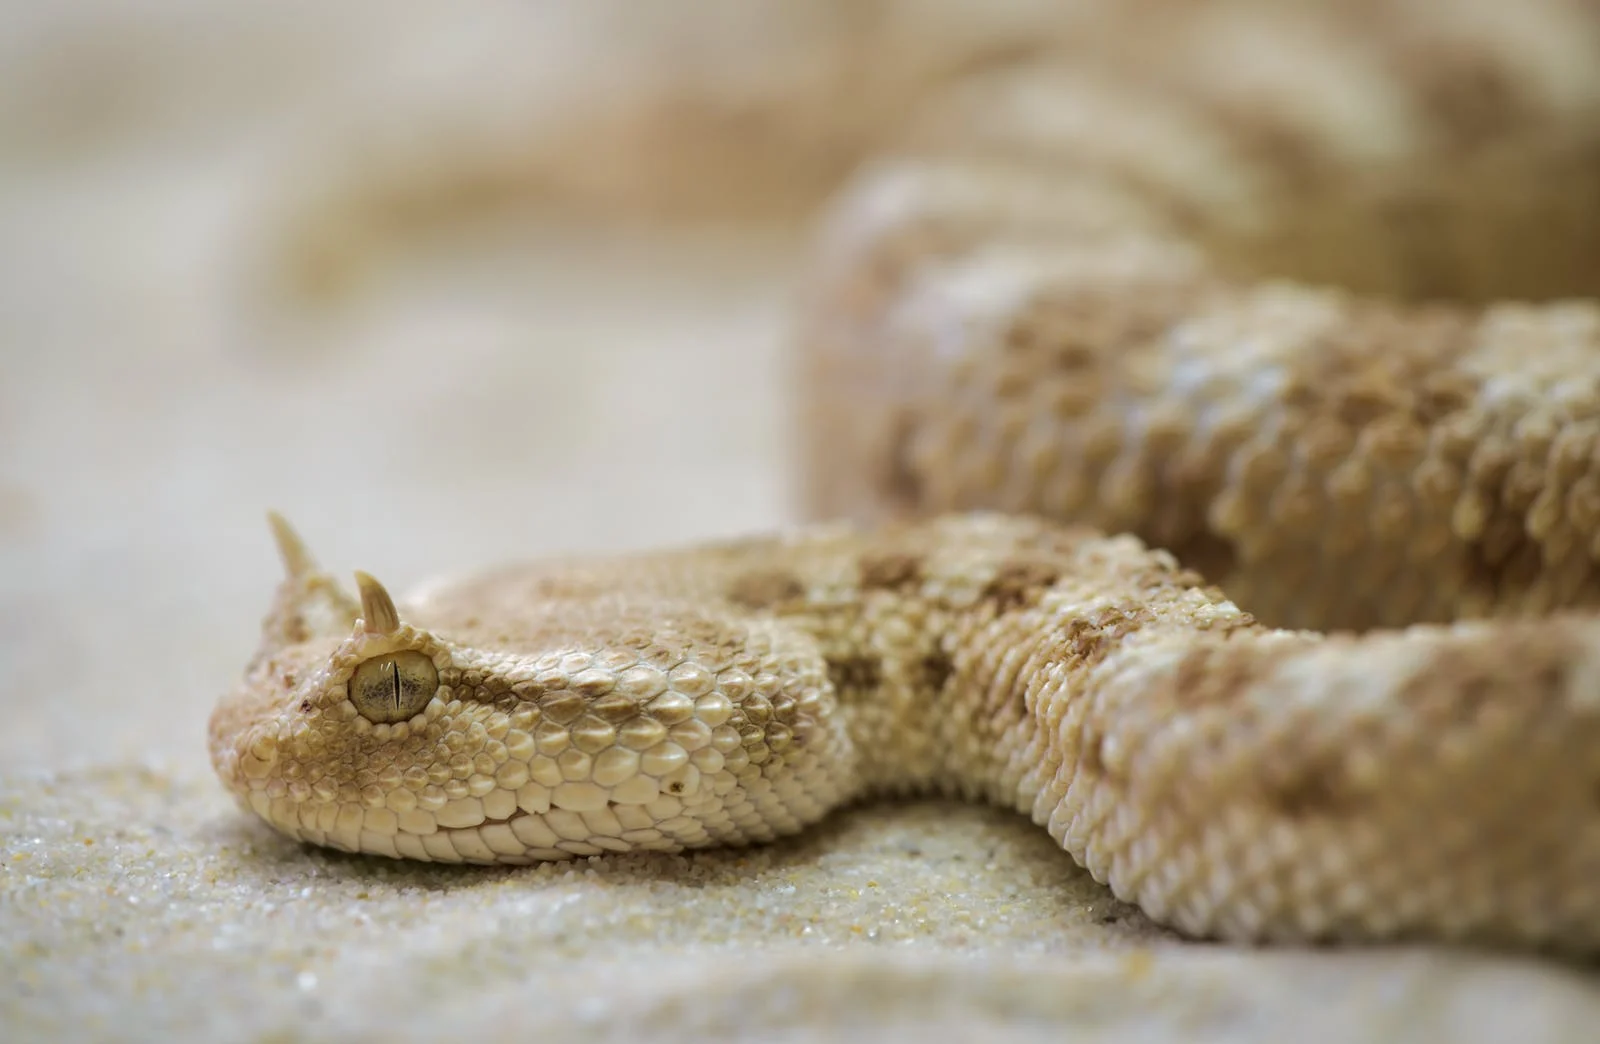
(1204, 460)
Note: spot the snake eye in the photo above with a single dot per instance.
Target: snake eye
(394, 687)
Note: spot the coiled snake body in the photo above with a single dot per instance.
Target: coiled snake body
(1044, 299)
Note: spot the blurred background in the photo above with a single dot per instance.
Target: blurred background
(443, 287)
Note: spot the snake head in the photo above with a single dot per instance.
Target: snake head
(331, 678)
(551, 715)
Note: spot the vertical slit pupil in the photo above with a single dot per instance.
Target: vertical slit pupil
(394, 674)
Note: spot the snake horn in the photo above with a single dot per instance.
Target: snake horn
(297, 560)
(307, 603)
(378, 614)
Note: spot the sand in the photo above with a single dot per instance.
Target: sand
(531, 384)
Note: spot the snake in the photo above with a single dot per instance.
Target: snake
(1199, 455)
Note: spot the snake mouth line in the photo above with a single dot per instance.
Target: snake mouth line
(559, 847)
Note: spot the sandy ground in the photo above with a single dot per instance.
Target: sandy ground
(529, 385)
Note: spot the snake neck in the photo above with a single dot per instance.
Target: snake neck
(954, 703)
(947, 643)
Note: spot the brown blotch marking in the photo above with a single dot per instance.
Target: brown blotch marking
(855, 673)
(765, 588)
(1218, 671)
(1084, 642)
(305, 706)
(895, 571)
(1550, 679)
(1018, 583)
(1090, 761)
(935, 670)
(1088, 639)
(1294, 156)
(1443, 394)
(1476, 680)
(1467, 95)
(1318, 787)
(1362, 403)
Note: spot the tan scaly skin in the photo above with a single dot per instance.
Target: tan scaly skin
(1313, 302)
(1275, 289)
(1233, 781)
